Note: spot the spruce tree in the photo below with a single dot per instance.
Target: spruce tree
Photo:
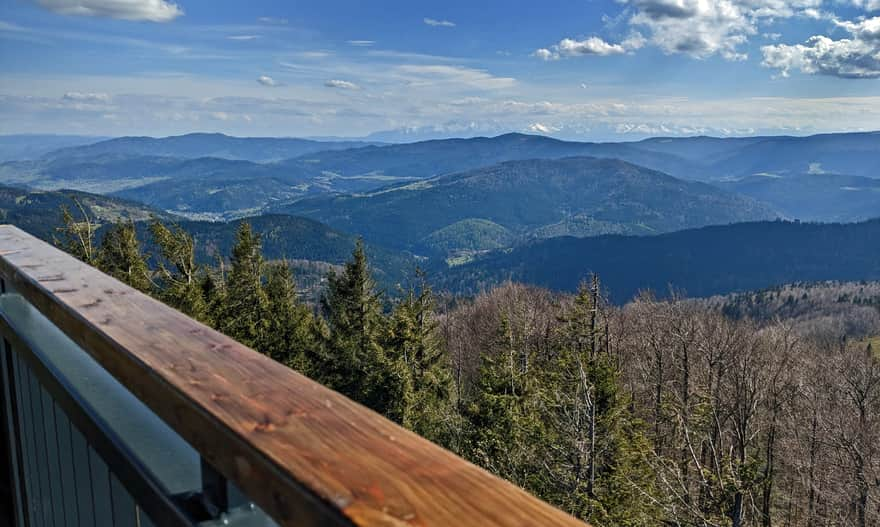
(596, 452)
(413, 340)
(292, 334)
(354, 362)
(179, 276)
(243, 315)
(120, 256)
(503, 424)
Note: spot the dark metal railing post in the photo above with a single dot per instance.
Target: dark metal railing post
(10, 429)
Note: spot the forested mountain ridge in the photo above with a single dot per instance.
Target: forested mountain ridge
(39, 212)
(32, 146)
(856, 154)
(285, 237)
(222, 188)
(426, 159)
(213, 172)
(524, 199)
(701, 262)
(813, 197)
(194, 145)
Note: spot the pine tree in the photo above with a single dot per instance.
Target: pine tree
(354, 362)
(179, 276)
(414, 341)
(243, 315)
(120, 256)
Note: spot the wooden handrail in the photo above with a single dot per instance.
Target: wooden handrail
(301, 451)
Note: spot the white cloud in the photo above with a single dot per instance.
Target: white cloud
(867, 5)
(243, 37)
(698, 28)
(360, 43)
(540, 128)
(856, 57)
(425, 75)
(568, 47)
(148, 10)
(266, 80)
(86, 97)
(438, 23)
(345, 85)
(272, 20)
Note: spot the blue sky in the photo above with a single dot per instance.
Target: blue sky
(599, 70)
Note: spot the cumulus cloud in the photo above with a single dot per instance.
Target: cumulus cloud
(438, 23)
(345, 85)
(697, 28)
(568, 47)
(856, 57)
(146, 10)
(266, 80)
(867, 5)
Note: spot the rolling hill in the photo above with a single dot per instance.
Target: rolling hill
(856, 154)
(219, 187)
(32, 146)
(39, 212)
(578, 196)
(289, 237)
(702, 262)
(814, 197)
(426, 159)
(189, 146)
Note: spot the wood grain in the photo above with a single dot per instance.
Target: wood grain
(305, 454)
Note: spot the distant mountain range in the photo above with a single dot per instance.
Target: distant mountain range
(289, 237)
(701, 262)
(217, 176)
(32, 146)
(815, 197)
(705, 261)
(489, 207)
(189, 146)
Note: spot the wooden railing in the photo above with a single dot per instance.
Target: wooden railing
(261, 433)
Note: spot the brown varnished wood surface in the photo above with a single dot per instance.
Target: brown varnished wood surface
(304, 453)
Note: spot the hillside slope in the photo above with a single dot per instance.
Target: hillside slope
(578, 196)
(814, 197)
(702, 262)
(260, 149)
(427, 159)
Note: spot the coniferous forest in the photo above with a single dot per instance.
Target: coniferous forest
(657, 412)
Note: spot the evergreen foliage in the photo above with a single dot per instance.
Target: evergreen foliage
(181, 278)
(749, 425)
(413, 340)
(355, 362)
(121, 257)
(243, 315)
